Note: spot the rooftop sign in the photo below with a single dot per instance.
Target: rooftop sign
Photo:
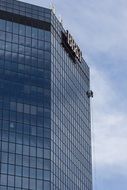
(71, 46)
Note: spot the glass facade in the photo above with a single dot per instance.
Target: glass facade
(45, 135)
(70, 119)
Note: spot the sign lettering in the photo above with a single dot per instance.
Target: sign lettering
(74, 46)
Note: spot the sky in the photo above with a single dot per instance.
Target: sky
(100, 29)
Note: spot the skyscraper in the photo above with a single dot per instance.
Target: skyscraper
(45, 133)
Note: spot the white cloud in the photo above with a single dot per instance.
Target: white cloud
(109, 124)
